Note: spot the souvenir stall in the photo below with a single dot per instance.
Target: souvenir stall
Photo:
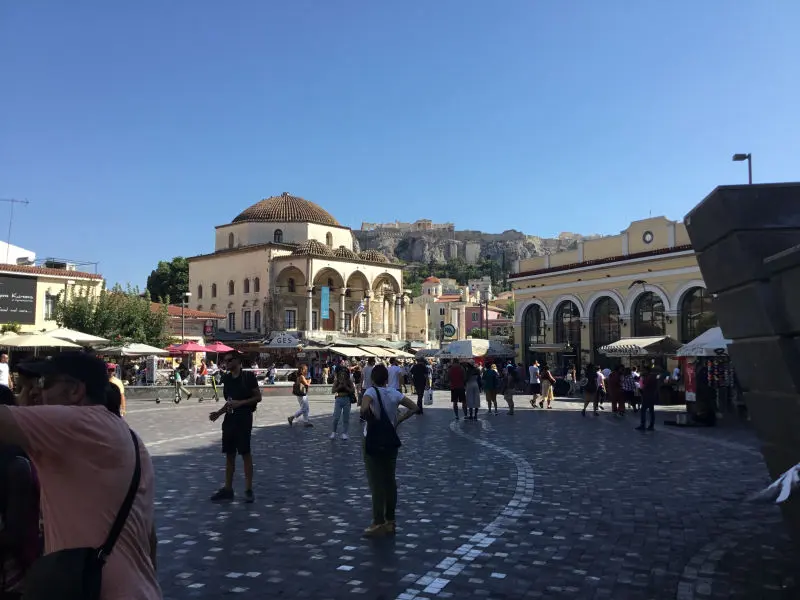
(712, 390)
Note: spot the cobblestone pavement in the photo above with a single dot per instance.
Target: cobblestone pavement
(542, 504)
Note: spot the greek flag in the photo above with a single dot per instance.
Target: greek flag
(361, 308)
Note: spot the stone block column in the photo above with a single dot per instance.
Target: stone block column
(747, 240)
(396, 324)
(368, 312)
(309, 308)
(341, 310)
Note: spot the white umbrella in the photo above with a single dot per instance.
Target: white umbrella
(466, 349)
(709, 343)
(132, 350)
(36, 340)
(75, 336)
(7, 336)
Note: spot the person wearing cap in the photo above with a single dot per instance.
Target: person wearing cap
(85, 460)
(242, 396)
(115, 381)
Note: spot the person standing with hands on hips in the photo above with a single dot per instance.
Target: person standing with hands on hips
(242, 396)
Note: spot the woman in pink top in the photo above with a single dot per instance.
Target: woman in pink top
(84, 457)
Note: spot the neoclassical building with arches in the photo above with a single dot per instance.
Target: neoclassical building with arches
(643, 282)
(276, 261)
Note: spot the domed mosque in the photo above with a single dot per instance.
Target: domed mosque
(285, 264)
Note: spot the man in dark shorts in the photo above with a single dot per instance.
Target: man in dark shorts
(458, 392)
(242, 395)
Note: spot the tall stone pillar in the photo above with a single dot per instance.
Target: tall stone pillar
(747, 239)
(396, 324)
(404, 319)
(341, 311)
(368, 311)
(309, 308)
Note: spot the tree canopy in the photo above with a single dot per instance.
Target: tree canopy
(170, 280)
(457, 269)
(120, 315)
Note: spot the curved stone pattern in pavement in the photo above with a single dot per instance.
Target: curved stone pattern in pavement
(544, 504)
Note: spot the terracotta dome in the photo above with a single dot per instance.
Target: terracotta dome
(286, 209)
(312, 248)
(373, 255)
(345, 252)
(432, 279)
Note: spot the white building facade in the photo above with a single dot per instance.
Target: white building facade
(286, 264)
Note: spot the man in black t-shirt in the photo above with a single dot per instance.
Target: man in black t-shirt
(242, 395)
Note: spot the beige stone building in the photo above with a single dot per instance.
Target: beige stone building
(279, 261)
(29, 294)
(643, 282)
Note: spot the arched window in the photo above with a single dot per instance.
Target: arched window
(231, 288)
(257, 320)
(649, 317)
(257, 285)
(697, 314)
(199, 292)
(246, 285)
(278, 236)
(567, 330)
(533, 331)
(213, 290)
(329, 239)
(605, 328)
(290, 285)
(231, 240)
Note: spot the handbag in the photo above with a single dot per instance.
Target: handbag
(77, 573)
(381, 437)
(427, 398)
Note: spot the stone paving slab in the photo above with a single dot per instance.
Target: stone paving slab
(542, 504)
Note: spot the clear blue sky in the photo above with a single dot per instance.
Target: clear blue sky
(135, 127)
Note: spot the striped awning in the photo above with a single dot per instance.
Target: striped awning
(641, 346)
(349, 351)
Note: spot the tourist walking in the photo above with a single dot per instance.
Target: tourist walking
(614, 387)
(547, 382)
(366, 377)
(421, 378)
(116, 382)
(86, 456)
(629, 389)
(458, 393)
(509, 385)
(379, 410)
(649, 397)
(242, 395)
(491, 384)
(472, 390)
(535, 382)
(395, 375)
(5, 373)
(344, 394)
(300, 391)
(591, 391)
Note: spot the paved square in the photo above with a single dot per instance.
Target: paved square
(542, 504)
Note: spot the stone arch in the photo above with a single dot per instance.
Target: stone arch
(594, 298)
(563, 298)
(386, 278)
(290, 273)
(277, 237)
(357, 284)
(677, 297)
(328, 273)
(519, 311)
(638, 290)
(231, 240)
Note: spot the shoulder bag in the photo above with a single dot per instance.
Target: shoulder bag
(381, 437)
(77, 573)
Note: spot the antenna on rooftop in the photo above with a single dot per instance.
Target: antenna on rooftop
(12, 202)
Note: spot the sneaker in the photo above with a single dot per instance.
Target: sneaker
(249, 497)
(391, 527)
(333, 435)
(291, 420)
(375, 531)
(344, 436)
(222, 494)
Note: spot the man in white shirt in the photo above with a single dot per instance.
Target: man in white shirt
(5, 377)
(366, 377)
(395, 375)
(536, 383)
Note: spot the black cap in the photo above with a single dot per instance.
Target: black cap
(84, 367)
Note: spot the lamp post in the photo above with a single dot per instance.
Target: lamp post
(184, 300)
(749, 158)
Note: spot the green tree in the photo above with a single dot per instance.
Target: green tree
(170, 279)
(478, 333)
(510, 308)
(11, 327)
(120, 315)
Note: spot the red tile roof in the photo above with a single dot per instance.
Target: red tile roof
(30, 270)
(601, 261)
(449, 298)
(188, 313)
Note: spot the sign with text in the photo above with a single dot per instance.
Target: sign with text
(324, 302)
(690, 382)
(17, 300)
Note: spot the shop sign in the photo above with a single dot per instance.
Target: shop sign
(17, 300)
(208, 327)
(325, 302)
(283, 340)
(690, 381)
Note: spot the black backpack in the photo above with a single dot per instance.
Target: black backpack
(381, 435)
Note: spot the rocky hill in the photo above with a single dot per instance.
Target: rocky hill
(470, 246)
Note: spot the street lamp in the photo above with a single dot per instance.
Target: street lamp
(184, 300)
(749, 158)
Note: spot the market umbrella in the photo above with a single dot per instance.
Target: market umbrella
(218, 347)
(188, 348)
(466, 349)
(77, 337)
(36, 340)
(709, 343)
(132, 350)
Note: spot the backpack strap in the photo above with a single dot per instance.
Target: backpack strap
(122, 516)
